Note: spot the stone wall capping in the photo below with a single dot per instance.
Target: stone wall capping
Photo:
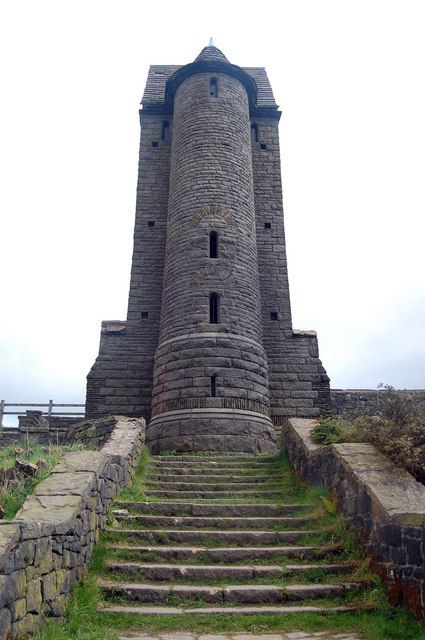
(304, 332)
(303, 427)
(81, 461)
(114, 326)
(385, 506)
(50, 542)
(399, 495)
(56, 510)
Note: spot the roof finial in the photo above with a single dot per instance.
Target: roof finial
(211, 44)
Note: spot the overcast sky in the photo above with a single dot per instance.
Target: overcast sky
(349, 79)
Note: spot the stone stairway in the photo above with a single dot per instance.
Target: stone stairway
(223, 535)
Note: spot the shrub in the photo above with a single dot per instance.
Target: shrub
(398, 431)
(330, 431)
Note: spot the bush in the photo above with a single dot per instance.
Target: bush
(398, 431)
(330, 431)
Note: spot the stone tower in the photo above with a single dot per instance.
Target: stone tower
(208, 354)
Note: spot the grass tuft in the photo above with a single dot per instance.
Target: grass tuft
(13, 492)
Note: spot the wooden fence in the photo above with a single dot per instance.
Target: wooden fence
(47, 405)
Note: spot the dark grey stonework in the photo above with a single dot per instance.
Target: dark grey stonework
(209, 162)
(354, 402)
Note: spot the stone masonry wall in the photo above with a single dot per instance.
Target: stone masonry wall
(384, 504)
(56, 433)
(360, 401)
(298, 382)
(120, 381)
(48, 545)
(93, 434)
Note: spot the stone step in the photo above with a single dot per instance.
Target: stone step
(196, 494)
(190, 478)
(214, 611)
(201, 522)
(241, 573)
(214, 510)
(183, 469)
(235, 594)
(216, 485)
(224, 554)
(222, 457)
(237, 538)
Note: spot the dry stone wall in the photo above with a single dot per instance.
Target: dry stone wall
(48, 545)
(384, 504)
(354, 402)
(55, 433)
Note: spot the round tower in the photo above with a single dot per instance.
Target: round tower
(210, 388)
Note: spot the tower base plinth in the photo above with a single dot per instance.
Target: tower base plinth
(211, 430)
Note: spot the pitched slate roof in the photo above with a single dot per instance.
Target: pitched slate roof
(158, 75)
(211, 54)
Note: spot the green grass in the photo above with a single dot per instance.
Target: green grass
(12, 494)
(137, 491)
(85, 621)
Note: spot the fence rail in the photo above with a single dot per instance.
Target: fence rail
(49, 413)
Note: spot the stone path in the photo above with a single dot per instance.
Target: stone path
(218, 536)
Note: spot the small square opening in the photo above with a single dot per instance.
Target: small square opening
(263, 147)
(154, 144)
(151, 223)
(273, 315)
(267, 225)
(145, 315)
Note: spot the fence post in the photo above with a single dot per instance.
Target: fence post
(2, 403)
(49, 413)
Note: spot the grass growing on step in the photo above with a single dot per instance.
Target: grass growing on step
(84, 621)
(137, 491)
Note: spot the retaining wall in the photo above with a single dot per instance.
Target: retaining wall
(48, 545)
(54, 432)
(385, 506)
(353, 402)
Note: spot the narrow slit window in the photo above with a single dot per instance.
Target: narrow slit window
(213, 88)
(165, 130)
(214, 310)
(254, 132)
(213, 244)
(213, 386)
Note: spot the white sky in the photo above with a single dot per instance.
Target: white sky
(349, 78)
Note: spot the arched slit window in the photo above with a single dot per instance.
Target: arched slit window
(213, 88)
(213, 244)
(254, 132)
(214, 308)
